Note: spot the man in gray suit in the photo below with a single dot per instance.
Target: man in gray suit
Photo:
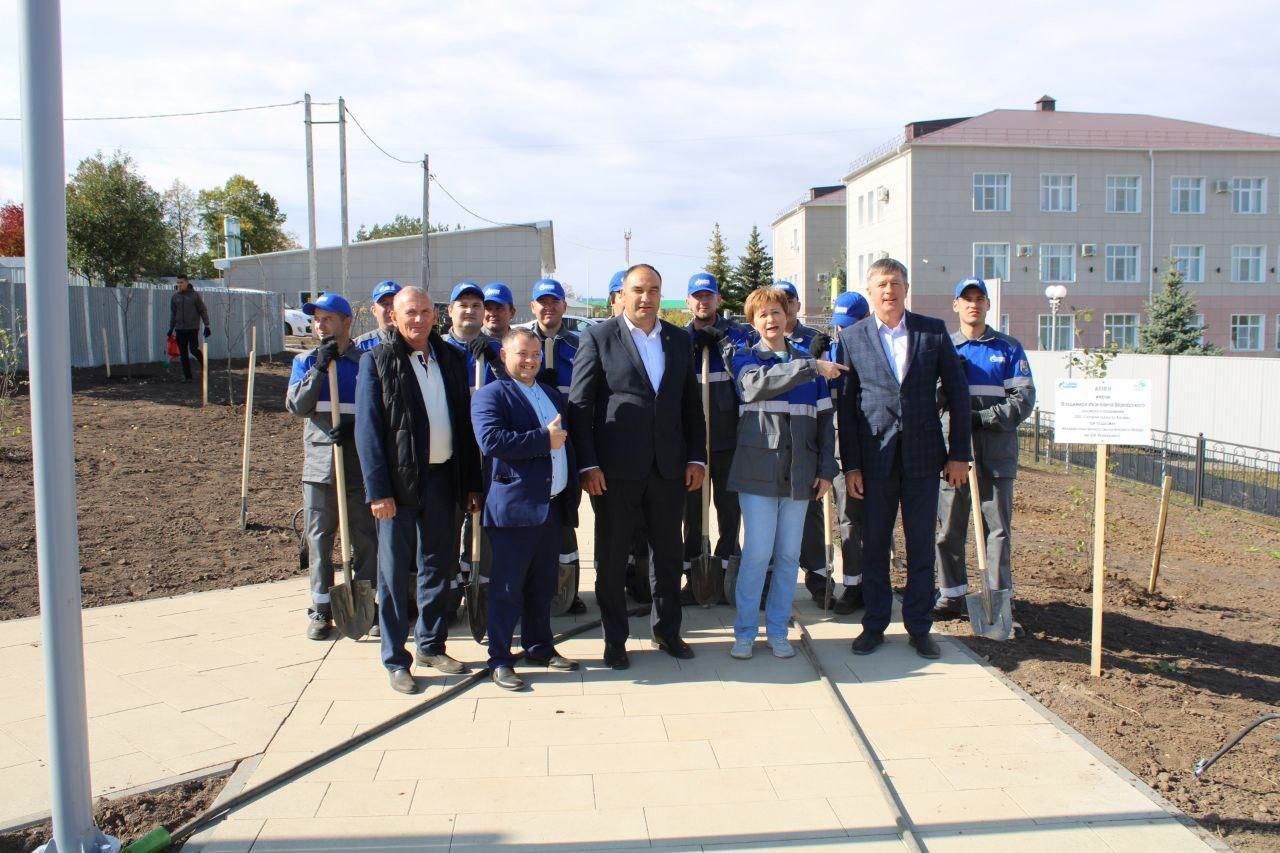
(892, 450)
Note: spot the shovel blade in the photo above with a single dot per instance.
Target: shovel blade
(353, 608)
(565, 589)
(706, 577)
(1000, 625)
(730, 587)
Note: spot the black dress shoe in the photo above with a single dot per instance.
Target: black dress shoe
(675, 647)
(556, 661)
(615, 656)
(849, 601)
(402, 681)
(926, 646)
(506, 678)
(578, 607)
(867, 642)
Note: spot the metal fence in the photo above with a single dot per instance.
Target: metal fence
(1230, 474)
(128, 324)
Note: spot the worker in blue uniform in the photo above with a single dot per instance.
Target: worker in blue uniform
(849, 308)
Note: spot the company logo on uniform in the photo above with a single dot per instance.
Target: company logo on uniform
(1024, 369)
(997, 358)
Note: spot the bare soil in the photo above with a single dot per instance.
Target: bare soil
(159, 479)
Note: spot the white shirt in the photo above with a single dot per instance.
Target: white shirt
(546, 412)
(650, 346)
(894, 340)
(431, 384)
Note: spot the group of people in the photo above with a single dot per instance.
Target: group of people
(514, 423)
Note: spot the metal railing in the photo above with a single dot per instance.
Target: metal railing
(882, 151)
(1233, 475)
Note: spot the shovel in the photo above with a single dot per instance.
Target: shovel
(477, 593)
(706, 573)
(351, 602)
(990, 611)
(831, 551)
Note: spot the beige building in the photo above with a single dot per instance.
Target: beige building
(808, 246)
(517, 255)
(1096, 202)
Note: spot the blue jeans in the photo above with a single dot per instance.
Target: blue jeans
(774, 528)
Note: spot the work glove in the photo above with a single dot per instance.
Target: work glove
(819, 345)
(479, 347)
(707, 337)
(343, 433)
(325, 353)
(207, 331)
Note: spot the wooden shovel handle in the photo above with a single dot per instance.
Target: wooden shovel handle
(339, 472)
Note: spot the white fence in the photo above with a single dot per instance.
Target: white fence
(129, 323)
(1228, 398)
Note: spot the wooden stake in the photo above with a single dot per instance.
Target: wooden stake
(204, 373)
(1099, 557)
(248, 431)
(1165, 488)
(106, 352)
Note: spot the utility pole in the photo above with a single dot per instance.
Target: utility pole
(426, 220)
(342, 186)
(53, 462)
(626, 251)
(311, 200)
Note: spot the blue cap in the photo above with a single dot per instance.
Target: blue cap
(972, 281)
(328, 302)
(703, 282)
(788, 287)
(850, 307)
(496, 291)
(383, 289)
(547, 287)
(615, 283)
(463, 288)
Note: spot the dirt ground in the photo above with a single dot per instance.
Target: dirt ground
(1183, 669)
(158, 480)
(129, 818)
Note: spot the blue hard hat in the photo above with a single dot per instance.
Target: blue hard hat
(850, 307)
(703, 282)
(788, 287)
(328, 302)
(615, 283)
(383, 289)
(463, 288)
(547, 287)
(971, 281)
(496, 291)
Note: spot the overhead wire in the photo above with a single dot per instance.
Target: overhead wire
(180, 115)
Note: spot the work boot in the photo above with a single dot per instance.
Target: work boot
(442, 663)
(867, 642)
(949, 608)
(926, 646)
(578, 607)
(849, 600)
(319, 624)
(817, 585)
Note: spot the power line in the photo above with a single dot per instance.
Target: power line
(372, 142)
(452, 198)
(179, 115)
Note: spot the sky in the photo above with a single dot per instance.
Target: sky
(660, 117)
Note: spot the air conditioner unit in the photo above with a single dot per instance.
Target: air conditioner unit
(822, 277)
(1088, 250)
(1222, 186)
(882, 194)
(1025, 250)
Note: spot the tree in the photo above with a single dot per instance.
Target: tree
(261, 220)
(401, 226)
(754, 269)
(181, 215)
(115, 222)
(11, 233)
(1174, 327)
(718, 258)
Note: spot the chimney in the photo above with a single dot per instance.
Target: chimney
(1046, 104)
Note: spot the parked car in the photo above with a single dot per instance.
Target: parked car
(578, 324)
(296, 322)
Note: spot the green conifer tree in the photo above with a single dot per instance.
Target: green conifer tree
(1172, 327)
(754, 269)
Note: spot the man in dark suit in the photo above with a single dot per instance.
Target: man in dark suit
(891, 446)
(420, 464)
(636, 417)
(531, 492)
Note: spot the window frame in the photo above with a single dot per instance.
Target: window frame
(1007, 189)
(1107, 268)
(1060, 191)
(1261, 260)
(1173, 194)
(1262, 333)
(1109, 206)
(981, 274)
(1237, 193)
(1064, 318)
(1173, 250)
(1107, 323)
(1070, 256)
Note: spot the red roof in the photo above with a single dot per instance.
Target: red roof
(1093, 130)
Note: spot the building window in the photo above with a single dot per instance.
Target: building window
(862, 268)
(1122, 263)
(862, 203)
(872, 208)
(1248, 195)
(1189, 260)
(1278, 333)
(795, 238)
(1004, 326)
(1057, 262)
(991, 192)
(1066, 328)
(1199, 324)
(1120, 330)
(1124, 194)
(1186, 195)
(1246, 332)
(1247, 263)
(1058, 193)
(991, 260)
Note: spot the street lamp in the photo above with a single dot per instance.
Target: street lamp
(1055, 293)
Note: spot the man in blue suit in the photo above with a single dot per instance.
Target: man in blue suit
(892, 450)
(531, 491)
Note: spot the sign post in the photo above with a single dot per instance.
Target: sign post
(1102, 412)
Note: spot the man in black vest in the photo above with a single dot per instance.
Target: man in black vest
(420, 463)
